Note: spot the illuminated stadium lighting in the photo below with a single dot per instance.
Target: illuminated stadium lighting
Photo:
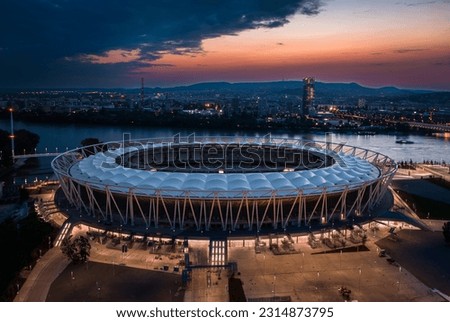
(234, 184)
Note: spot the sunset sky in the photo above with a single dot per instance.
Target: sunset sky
(81, 43)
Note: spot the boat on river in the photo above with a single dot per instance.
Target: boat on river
(404, 142)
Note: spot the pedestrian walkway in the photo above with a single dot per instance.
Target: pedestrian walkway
(47, 269)
(437, 170)
(53, 263)
(444, 296)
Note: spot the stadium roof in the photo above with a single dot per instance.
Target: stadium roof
(101, 170)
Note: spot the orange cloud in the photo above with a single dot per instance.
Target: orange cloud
(113, 56)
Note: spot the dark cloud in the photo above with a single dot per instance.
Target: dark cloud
(408, 50)
(442, 63)
(38, 35)
(421, 3)
(417, 4)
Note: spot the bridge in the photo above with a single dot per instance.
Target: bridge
(27, 155)
(445, 128)
(430, 126)
(38, 154)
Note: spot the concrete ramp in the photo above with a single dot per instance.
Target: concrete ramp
(423, 188)
(398, 216)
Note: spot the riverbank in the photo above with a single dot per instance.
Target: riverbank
(180, 121)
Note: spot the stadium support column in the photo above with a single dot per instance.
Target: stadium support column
(324, 208)
(176, 215)
(93, 203)
(301, 208)
(229, 216)
(130, 207)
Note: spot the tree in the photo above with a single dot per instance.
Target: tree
(90, 141)
(21, 241)
(77, 250)
(446, 231)
(24, 142)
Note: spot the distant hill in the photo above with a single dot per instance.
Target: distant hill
(324, 91)
(236, 87)
(294, 88)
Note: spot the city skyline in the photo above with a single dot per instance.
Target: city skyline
(114, 44)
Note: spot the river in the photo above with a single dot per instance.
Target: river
(63, 136)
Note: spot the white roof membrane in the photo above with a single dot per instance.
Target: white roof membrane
(101, 170)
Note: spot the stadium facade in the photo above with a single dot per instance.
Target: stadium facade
(234, 184)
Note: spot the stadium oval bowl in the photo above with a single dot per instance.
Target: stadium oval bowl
(247, 185)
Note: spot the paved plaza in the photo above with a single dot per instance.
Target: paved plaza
(305, 275)
(317, 274)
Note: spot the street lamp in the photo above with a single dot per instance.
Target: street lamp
(97, 284)
(274, 280)
(317, 284)
(303, 261)
(359, 280)
(12, 131)
(264, 256)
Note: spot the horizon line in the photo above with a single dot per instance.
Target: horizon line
(214, 82)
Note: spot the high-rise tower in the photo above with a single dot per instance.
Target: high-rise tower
(308, 95)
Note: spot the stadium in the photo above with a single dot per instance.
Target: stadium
(239, 185)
